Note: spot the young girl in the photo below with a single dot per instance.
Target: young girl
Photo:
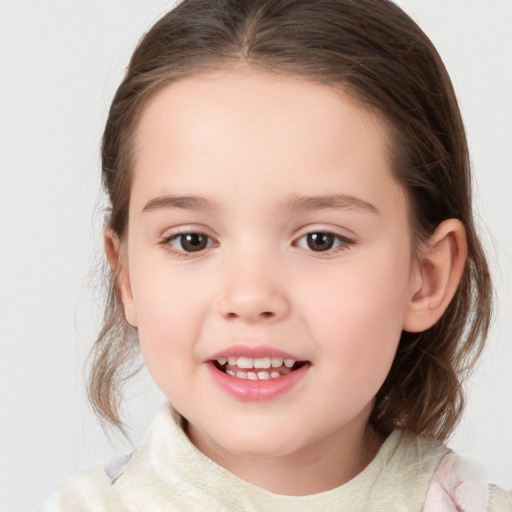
(293, 250)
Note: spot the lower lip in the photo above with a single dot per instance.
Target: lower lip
(256, 390)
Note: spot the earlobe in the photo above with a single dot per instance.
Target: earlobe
(438, 271)
(119, 268)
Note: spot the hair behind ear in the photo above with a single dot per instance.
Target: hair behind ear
(423, 392)
(112, 359)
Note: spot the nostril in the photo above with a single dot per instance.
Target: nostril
(265, 315)
(251, 307)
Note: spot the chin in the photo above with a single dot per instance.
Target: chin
(244, 442)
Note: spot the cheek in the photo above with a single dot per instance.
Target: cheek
(169, 307)
(357, 320)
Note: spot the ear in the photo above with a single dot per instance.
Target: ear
(437, 274)
(119, 267)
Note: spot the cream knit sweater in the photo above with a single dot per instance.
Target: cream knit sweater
(167, 473)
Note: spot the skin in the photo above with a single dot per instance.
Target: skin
(250, 144)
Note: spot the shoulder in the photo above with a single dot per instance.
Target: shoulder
(403, 470)
(113, 486)
(459, 484)
(91, 489)
(500, 500)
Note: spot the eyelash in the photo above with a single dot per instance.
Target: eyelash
(167, 243)
(343, 243)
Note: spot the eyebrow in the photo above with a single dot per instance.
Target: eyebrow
(178, 202)
(334, 202)
(294, 203)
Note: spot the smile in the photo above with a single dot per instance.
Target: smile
(256, 373)
(259, 368)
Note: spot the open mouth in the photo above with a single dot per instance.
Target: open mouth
(259, 368)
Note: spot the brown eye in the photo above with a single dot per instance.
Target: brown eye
(320, 241)
(191, 242)
(323, 241)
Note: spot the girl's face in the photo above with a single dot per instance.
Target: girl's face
(266, 229)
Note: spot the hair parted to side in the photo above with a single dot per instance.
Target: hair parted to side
(372, 50)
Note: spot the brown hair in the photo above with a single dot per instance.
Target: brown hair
(375, 52)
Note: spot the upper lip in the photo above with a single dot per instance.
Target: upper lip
(253, 351)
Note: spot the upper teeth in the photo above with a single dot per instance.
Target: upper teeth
(257, 362)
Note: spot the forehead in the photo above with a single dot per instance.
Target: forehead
(254, 100)
(247, 127)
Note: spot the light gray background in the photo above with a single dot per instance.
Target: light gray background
(60, 62)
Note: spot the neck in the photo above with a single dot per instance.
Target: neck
(321, 466)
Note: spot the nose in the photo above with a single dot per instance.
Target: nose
(253, 291)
